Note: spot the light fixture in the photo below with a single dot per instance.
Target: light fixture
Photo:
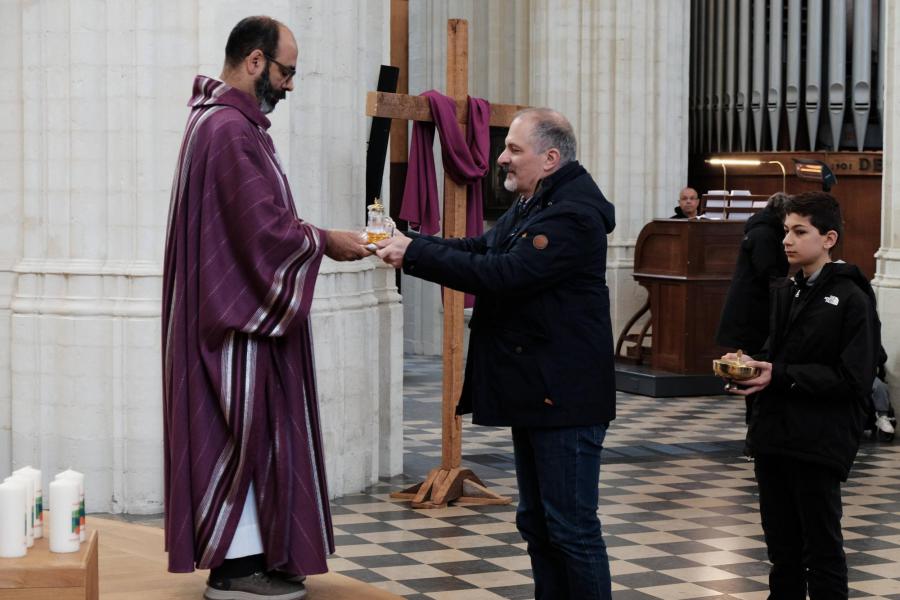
(811, 169)
(746, 162)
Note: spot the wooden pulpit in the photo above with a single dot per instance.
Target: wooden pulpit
(686, 266)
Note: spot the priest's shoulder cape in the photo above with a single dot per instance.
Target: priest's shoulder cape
(238, 378)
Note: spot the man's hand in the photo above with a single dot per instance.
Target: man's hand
(393, 249)
(750, 386)
(345, 245)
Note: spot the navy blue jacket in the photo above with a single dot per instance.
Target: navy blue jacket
(540, 349)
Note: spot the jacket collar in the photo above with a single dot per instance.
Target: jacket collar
(209, 91)
(557, 179)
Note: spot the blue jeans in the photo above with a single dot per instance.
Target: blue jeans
(558, 470)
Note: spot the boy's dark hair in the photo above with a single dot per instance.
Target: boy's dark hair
(822, 208)
(249, 34)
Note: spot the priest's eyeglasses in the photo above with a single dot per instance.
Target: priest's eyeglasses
(286, 71)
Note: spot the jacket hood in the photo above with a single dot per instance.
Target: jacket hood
(594, 198)
(764, 218)
(210, 92)
(843, 270)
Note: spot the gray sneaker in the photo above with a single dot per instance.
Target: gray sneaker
(259, 586)
(289, 577)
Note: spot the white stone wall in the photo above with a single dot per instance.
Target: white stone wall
(887, 277)
(617, 69)
(94, 104)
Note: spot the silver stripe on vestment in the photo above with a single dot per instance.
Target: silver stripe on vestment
(225, 391)
(227, 357)
(311, 448)
(263, 311)
(311, 239)
(249, 383)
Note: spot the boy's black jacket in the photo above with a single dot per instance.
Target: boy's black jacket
(824, 346)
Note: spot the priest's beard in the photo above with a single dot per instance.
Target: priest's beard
(267, 95)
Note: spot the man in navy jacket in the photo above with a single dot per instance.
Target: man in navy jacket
(540, 354)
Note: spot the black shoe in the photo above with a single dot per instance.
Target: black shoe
(258, 586)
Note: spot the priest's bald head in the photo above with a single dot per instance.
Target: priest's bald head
(261, 60)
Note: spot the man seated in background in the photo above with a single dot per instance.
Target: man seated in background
(688, 204)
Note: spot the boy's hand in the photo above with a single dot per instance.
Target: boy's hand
(751, 386)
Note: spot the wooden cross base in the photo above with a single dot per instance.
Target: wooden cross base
(449, 485)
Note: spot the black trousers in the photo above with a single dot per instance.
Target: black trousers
(800, 506)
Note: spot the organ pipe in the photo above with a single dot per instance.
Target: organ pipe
(813, 102)
(742, 96)
(792, 81)
(730, 57)
(773, 101)
(862, 70)
(759, 68)
(837, 68)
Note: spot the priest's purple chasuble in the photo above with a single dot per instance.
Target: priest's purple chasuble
(239, 386)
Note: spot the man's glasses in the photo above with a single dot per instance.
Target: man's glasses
(286, 71)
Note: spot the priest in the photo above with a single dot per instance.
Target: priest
(245, 491)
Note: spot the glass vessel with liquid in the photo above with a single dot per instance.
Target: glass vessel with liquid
(378, 226)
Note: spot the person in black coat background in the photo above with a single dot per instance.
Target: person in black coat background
(540, 356)
(745, 316)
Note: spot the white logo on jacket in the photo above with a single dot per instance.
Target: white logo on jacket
(832, 300)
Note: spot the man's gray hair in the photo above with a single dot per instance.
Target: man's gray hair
(551, 130)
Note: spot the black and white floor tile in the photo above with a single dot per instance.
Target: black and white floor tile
(678, 506)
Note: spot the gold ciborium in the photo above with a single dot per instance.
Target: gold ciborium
(734, 370)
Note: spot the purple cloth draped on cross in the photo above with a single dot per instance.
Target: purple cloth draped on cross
(465, 161)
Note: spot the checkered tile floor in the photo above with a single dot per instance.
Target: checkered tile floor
(678, 506)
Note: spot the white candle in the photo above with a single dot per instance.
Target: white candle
(28, 482)
(12, 519)
(65, 514)
(79, 478)
(35, 474)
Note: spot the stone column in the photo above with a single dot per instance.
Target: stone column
(11, 217)
(619, 71)
(887, 276)
(98, 99)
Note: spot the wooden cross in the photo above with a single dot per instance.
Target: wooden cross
(450, 481)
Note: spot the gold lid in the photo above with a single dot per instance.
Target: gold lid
(376, 205)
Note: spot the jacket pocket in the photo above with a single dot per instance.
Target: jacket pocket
(517, 369)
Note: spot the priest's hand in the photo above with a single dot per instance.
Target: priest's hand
(344, 245)
(393, 249)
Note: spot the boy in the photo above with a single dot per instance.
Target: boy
(808, 409)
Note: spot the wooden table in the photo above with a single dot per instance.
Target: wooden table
(42, 574)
